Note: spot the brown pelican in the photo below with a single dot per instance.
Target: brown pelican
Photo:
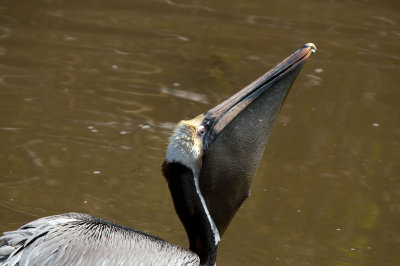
(209, 166)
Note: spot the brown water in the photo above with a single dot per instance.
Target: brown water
(90, 91)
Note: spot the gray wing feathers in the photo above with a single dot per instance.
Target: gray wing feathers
(79, 239)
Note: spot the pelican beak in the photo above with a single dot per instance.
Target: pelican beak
(225, 112)
(236, 134)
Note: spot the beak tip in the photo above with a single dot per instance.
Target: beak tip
(311, 46)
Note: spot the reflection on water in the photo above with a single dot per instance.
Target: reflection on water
(89, 93)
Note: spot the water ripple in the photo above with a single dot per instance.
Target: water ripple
(189, 6)
(4, 32)
(186, 94)
(137, 67)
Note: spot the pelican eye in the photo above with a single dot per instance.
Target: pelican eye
(200, 131)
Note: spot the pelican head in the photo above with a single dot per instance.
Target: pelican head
(212, 159)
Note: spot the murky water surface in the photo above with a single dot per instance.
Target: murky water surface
(90, 91)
